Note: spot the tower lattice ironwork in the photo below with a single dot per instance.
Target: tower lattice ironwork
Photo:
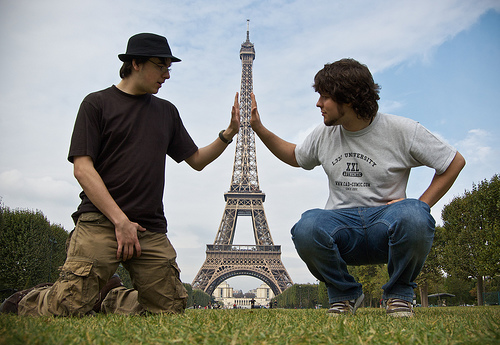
(244, 198)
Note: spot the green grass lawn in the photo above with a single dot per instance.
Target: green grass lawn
(448, 325)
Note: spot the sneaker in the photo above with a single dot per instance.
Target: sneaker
(10, 305)
(112, 283)
(397, 307)
(345, 307)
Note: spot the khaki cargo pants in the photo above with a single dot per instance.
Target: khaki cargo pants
(90, 263)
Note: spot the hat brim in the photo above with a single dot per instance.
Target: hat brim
(127, 57)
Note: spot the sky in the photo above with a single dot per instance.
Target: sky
(438, 62)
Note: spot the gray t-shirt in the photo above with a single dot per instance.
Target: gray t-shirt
(372, 166)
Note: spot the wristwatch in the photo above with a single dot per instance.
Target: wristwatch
(224, 140)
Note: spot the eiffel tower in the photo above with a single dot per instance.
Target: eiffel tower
(225, 259)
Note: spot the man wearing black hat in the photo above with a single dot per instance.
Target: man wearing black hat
(119, 145)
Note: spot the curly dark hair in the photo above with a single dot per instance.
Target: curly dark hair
(349, 82)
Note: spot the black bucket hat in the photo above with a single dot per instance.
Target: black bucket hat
(147, 45)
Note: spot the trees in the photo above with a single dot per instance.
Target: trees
(201, 298)
(298, 296)
(372, 277)
(198, 297)
(31, 249)
(323, 295)
(472, 234)
(432, 271)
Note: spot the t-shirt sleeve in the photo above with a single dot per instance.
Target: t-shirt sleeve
(86, 137)
(182, 145)
(432, 151)
(306, 153)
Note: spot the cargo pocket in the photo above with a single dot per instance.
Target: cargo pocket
(180, 294)
(181, 291)
(80, 268)
(160, 289)
(78, 287)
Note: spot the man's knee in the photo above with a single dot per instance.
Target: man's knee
(308, 232)
(414, 221)
(166, 294)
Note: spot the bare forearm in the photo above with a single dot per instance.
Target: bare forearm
(283, 150)
(95, 189)
(206, 155)
(442, 183)
(97, 192)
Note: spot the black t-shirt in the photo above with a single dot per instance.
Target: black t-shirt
(128, 138)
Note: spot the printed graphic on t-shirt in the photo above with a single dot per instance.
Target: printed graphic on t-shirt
(353, 165)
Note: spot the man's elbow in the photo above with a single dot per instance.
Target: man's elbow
(456, 166)
(198, 167)
(81, 167)
(193, 163)
(460, 161)
(196, 161)
(79, 173)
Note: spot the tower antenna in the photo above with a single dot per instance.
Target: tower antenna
(248, 29)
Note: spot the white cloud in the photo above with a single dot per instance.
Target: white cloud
(301, 136)
(480, 149)
(55, 198)
(388, 106)
(13, 182)
(477, 146)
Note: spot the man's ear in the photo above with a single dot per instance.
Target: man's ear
(135, 66)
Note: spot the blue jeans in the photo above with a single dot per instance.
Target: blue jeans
(399, 235)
